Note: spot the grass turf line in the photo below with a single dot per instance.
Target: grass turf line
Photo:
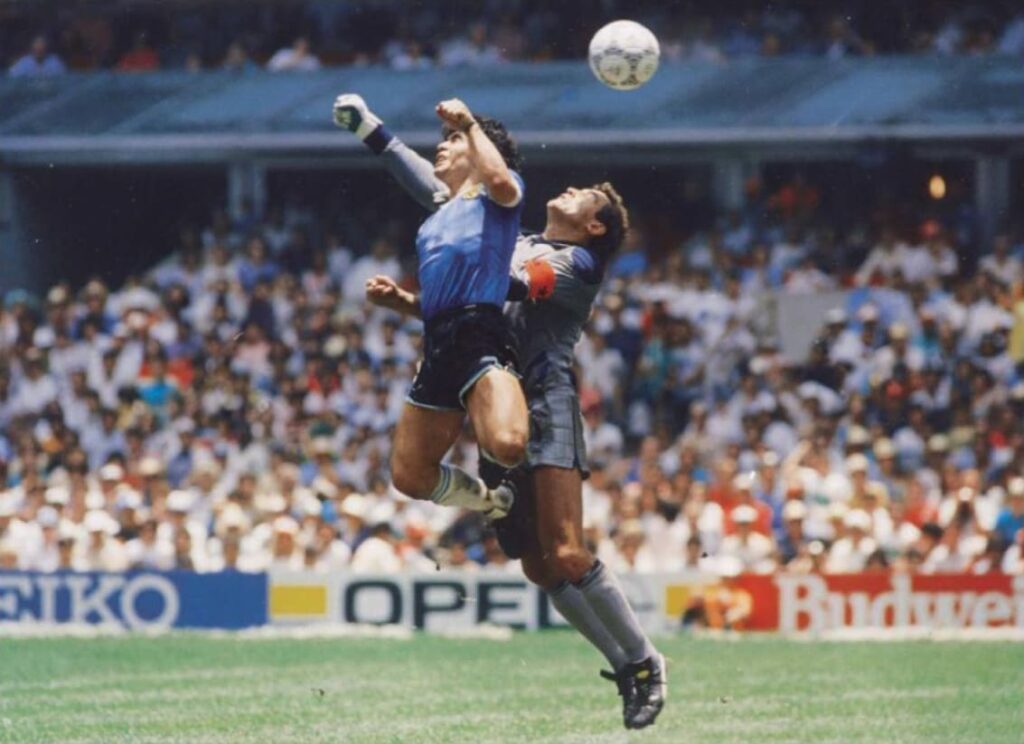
(538, 688)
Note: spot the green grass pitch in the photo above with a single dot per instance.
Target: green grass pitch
(540, 687)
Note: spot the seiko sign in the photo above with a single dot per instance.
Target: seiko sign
(123, 600)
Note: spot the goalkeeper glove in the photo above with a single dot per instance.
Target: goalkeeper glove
(352, 113)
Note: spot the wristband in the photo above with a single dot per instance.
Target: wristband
(378, 139)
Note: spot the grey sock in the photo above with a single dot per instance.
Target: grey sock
(568, 600)
(605, 596)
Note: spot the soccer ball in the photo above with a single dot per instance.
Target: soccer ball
(624, 55)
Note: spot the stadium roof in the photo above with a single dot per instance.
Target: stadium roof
(554, 109)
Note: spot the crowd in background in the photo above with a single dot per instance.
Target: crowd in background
(232, 409)
(38, 39)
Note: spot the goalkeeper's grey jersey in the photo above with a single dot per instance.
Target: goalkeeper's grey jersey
(548, 329)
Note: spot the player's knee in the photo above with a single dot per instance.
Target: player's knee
(409, 480)
(570, 561)
(535, 569)
(508, 447)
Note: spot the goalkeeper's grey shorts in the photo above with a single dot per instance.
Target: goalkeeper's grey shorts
(556, 429)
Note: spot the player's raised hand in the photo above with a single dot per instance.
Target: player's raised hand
(351, 113)
(455, 114)
(384, 291)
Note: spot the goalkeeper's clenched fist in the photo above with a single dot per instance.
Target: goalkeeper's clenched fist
(352, 113)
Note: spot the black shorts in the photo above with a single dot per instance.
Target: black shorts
(459, 347)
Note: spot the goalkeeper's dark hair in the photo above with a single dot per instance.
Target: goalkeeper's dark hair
(615, 218)
(498, 134)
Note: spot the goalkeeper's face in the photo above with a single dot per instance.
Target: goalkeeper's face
(452, 163)
(579, 209)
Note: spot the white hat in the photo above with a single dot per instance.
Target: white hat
(322, 446)
(938, 443)
(857, 463)
(180, 501)
(884, 448)
(839, 510)
(868, 313)
(745, 482)
(111, 472)
(857, 436)
(835, 316)
(744, 514)
(898, 331)
(286, 525)
(270, 503)
(128, 497)
(58, 495)
(769, 459)
(206, 465)
(355, 505)
(794, 510)
(858, 519)
(100, 521)
(1016, 486)
(232, 517)
(324, 487)
(877, 490)
(150, 466)
(309, 504)
(47, 517)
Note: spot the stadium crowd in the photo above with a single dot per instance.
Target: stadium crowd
(231, 410)
(39, 39)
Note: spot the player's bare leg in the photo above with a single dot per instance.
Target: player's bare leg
(564, 559)
(497, 409)
(589, 596)
(422, 438)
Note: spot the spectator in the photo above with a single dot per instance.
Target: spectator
(298, 57)
(474, 49)
(38, 62)
(141, 57)
(236, 59)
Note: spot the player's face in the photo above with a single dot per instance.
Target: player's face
(578, 205)
(452, 160)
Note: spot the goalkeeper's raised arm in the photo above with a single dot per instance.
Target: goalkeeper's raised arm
(414, 173)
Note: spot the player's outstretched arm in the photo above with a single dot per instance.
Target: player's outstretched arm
(414, 173)
(384, 291)
(495, 175)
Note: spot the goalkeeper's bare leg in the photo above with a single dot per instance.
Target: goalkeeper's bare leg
(588, 595)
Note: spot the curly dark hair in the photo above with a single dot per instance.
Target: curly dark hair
(498, 134)
(615, 218)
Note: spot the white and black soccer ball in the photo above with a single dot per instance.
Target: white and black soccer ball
(624, 55)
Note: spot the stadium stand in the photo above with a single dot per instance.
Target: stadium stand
(191, 35)
(231, 409)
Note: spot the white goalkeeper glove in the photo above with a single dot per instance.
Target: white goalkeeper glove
(352, 113)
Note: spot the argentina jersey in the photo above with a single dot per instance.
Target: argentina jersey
(465, 249)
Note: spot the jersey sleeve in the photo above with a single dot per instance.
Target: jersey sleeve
(521, 185)
(415, 174)
(569, 278)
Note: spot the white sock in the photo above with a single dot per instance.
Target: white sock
(456, 487)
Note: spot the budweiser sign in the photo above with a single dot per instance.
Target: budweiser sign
(818, 603)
